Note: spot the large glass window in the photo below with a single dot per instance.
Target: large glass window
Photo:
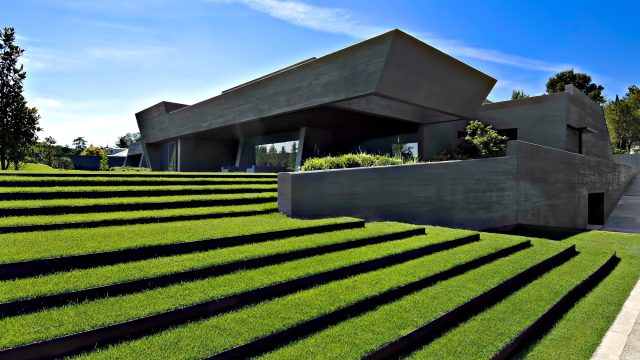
(280, 155)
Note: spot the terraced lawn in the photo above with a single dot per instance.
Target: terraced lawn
(243, 281)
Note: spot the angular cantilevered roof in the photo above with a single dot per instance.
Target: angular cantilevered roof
(387, 72)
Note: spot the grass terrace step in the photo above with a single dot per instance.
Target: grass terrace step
(14, 224)
(168, 174)
(80, 192)
(487, 333)
(99, 282)
(347, 340)
(592, 316)
(59, 243)
(186, 296)
(79, 206)
(16, 181)
(229, 330)
(48, 265)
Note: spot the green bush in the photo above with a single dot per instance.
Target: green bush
(350, 161)
(64, 163)
(480, 141)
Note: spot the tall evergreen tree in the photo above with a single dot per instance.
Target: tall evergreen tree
(18, 122)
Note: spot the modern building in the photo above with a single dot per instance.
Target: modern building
(393, 89)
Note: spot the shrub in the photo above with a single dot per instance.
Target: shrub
(482, 141)
(349, 161)
(63, 163)
(104, 161)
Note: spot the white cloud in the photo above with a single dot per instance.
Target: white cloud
(341, 21)
(125, 52)
(41, 103)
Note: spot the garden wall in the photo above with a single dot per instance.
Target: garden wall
(532, 185)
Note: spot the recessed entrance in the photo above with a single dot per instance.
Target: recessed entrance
(596, 208)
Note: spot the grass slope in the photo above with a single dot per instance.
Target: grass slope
(48, 244)
(69, 319)
(82, 279)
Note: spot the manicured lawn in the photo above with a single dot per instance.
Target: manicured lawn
(141, 189)
(574, 336)
(48, 244)
(32, 204)
(130, 215)
(73, 318)
(82, 279)
(223, 332)
(35, 169)
(138, 176)
(394, 320)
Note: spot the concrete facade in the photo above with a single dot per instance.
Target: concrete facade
(532, 185)
(382, 87)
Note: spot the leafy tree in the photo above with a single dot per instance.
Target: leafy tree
(623, 121)
(18, 122)
(272, 155)
(482, 141)
(64, 163)
(47, 151)
(93, 150)
(104, 161)
(581, 81)
(127, 139)
(518, 94)
(79, 143)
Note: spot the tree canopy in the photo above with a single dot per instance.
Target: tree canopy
(623, 121)
(581, 81)
(518, 94)
(18, 122)
(127, 139)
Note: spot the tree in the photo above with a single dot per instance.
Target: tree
(48, 151)
(518, 94)
(79, 143)
(93, 150)
(18, 122)
(482, 141)
(127, 139)
(623, 121)
(581, 81)
(104, 161)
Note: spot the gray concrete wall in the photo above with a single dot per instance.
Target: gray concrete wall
(583, 112)
(539, 119)
(469, 194)
(553, 185)
(533, 185)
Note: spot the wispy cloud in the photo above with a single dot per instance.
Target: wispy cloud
(341, 21)
(126, 52)
(41, 103)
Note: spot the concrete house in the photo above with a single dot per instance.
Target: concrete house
(559, 169)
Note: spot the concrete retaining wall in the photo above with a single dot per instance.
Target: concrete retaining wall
(533, 185)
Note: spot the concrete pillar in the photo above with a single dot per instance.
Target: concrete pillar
(312, 142)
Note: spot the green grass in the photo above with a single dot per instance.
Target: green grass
(391, 321)
(34, 204)
(74, 318)
(230, 329)
(130, 215)
(36, 168)
(44, 169)
(487, 333)
(589, 320)
(83, 279)
(48, 244)
(142, 189)
(574, 337)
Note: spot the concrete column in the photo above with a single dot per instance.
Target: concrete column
(312, 142)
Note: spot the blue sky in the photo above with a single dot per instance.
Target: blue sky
(92, 64)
